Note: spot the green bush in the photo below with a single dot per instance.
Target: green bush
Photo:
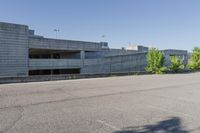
(194, 61)
(176, 64)
(155, 61)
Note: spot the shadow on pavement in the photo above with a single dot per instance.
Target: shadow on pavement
(171, 125)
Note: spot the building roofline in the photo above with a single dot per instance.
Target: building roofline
(14, 24)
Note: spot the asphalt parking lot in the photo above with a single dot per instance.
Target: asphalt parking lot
(129, 104)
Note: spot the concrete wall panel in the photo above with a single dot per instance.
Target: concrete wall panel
(39, 64)
(46, 43)
(13, 50)
(123, 63)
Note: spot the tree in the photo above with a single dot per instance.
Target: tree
(194, 61)
(176, 64)
(155, 61)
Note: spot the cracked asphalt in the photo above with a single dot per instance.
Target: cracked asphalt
(129, 104)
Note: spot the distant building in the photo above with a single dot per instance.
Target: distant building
(138, 48)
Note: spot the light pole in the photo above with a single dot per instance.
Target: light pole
(56, 30)
(103, 38)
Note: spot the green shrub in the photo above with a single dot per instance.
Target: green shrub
(155, 61)
(176, 64)
(194, 61)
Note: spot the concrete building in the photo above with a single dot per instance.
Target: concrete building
(182, 54)
(22, 53)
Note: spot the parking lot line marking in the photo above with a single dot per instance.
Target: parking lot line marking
(107, 124)
(173, 112)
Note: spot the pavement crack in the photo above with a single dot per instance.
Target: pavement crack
(17, 120)
(103, 95)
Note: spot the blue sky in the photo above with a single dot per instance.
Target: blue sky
(159, 23)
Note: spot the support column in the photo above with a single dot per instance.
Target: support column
(82, 55)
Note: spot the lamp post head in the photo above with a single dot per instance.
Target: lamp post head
(56, 30)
